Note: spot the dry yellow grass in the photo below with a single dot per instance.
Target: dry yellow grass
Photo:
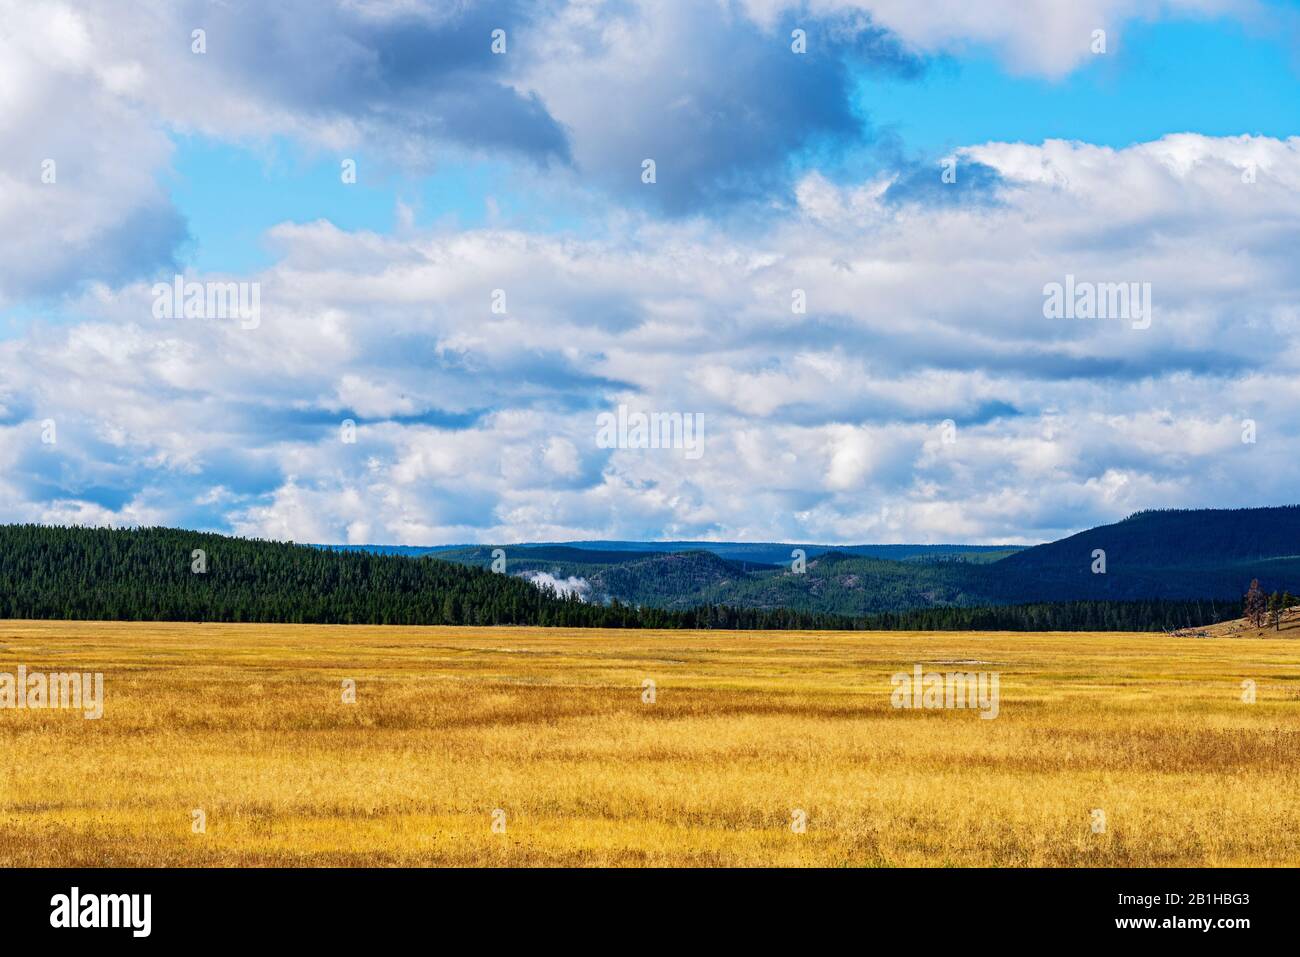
(247, 723)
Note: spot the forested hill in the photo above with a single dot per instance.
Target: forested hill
(149, 574)
(157, 574)
(1175, 538)
(1170, 556)
(1167, 554)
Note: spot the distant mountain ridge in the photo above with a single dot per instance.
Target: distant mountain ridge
(1173, 538)
(1148, 538)
(1163, 570)
(1158, 554)
(779, 553)
(768, 553)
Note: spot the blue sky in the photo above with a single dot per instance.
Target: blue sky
(232, 193)
(1169, 160)
(1214, 77)
(1161, 79)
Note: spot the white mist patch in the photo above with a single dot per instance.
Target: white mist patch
(563, 586)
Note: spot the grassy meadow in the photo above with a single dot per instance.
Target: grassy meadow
(549, 729)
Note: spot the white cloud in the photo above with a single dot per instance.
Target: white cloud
(474, 427)
(100, 96)
(79, 197)
(1046, 37)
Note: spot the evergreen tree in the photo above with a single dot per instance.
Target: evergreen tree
(146, 575)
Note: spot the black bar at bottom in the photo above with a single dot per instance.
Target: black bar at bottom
(334, 906)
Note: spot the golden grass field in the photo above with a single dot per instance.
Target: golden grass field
(247, 723)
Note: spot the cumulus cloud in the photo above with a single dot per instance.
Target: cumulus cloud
(718, 101)
(924, 301)
(827, 425)
(586, 89)
(79, 198)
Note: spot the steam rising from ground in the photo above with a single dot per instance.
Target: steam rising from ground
(563, 586)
